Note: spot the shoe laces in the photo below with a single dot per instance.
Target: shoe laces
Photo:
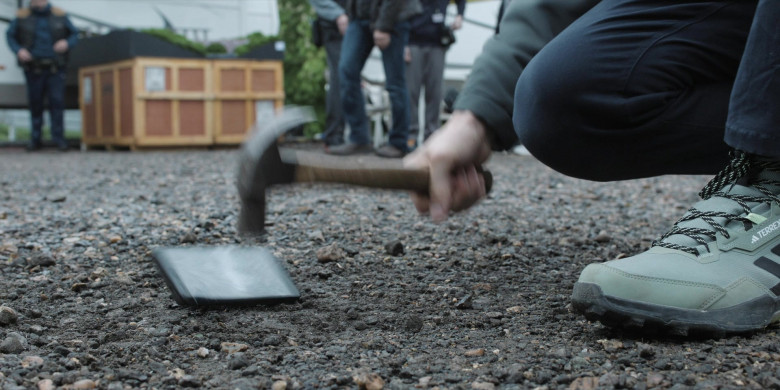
(744, 170)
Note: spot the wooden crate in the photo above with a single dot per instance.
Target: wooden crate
(154, 102)
(241, 89)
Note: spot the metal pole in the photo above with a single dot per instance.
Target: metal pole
(19, 3)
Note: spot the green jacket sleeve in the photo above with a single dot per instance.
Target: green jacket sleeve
(525, 28)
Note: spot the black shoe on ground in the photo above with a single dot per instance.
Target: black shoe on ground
(63, 147)
(348, 149)
(390, 151)
(33, 146)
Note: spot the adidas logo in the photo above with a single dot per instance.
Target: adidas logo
(765, 232)
(754, 240)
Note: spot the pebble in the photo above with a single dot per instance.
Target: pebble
(41, 259)
(8, 316)
(189, 381)
(395, 248)
(189, 238)
(369, 381)
(237, 361)
(279, 385)
(330, 253)
(602, 237)
(13, 344)
(475, 352)
(233, 347)
(83, 384)
(32, 361)
(413, 324)
(57, 198)
(654, 379)
(46, 384)
(483, 386)
(203, 352)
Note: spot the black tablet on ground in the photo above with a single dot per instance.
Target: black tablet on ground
(226, 275)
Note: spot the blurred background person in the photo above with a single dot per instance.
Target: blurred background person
(429, 39)
(41, 36)
(384, 24)
(332, 22)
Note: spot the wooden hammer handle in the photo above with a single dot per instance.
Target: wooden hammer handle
(375, 173)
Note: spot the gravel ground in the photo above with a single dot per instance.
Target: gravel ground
(389, 299)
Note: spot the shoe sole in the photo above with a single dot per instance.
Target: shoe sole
(589, 300)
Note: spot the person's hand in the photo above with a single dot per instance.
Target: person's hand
(61, 46)
(381, 39)
(457, 23)
(452, 155)
(407, 54)
(24, 55)
(342, 22)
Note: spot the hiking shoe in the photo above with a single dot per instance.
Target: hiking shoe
(390, 151)
(349, 149)
(716, 271)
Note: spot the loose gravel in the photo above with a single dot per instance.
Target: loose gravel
(389, 299)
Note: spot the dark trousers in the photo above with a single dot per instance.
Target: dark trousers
(355, 49)
(334, 115)
(638, 88)
(41, 85)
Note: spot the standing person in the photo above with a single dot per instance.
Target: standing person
(383, 23)
(425, 62)
(631, 89)
(41, 37)
(333, 22)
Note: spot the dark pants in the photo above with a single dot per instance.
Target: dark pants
(41, 85)
(355, 49)
(334, 115)
(639, 88)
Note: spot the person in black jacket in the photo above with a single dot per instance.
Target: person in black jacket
(41, 37)
(425, 62)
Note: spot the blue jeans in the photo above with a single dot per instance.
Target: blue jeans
(638, 88)
(42, 85)
(355, 49)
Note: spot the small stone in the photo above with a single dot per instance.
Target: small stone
(584, 383)
(279, 385)
(413, 324)
(189, 381)
(602, 237)
(84, 384)
(514, 309)
(330, 253)
(77, 287)
(646, 351)
(464, 303)
(41, 259)
(189, 238)
(203, 352)
(233, 347)
(114, 239)
(475, 352)
(654, 380)
(13, 344)
(369, 381)
(237, 361)
(57, 198)
(272, 340)
(395, 248)
(32, 361)
(46, 384)
(483, 386)
(8, 316)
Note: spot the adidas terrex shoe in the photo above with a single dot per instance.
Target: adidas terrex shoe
(716, 271)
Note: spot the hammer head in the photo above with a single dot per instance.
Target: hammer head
(260, 165)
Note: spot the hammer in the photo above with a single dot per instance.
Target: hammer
(262, 164)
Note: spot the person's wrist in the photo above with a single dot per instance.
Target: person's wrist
(479, 128)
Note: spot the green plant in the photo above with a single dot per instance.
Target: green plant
(216, 48)
(304, 64)
(176, 39)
